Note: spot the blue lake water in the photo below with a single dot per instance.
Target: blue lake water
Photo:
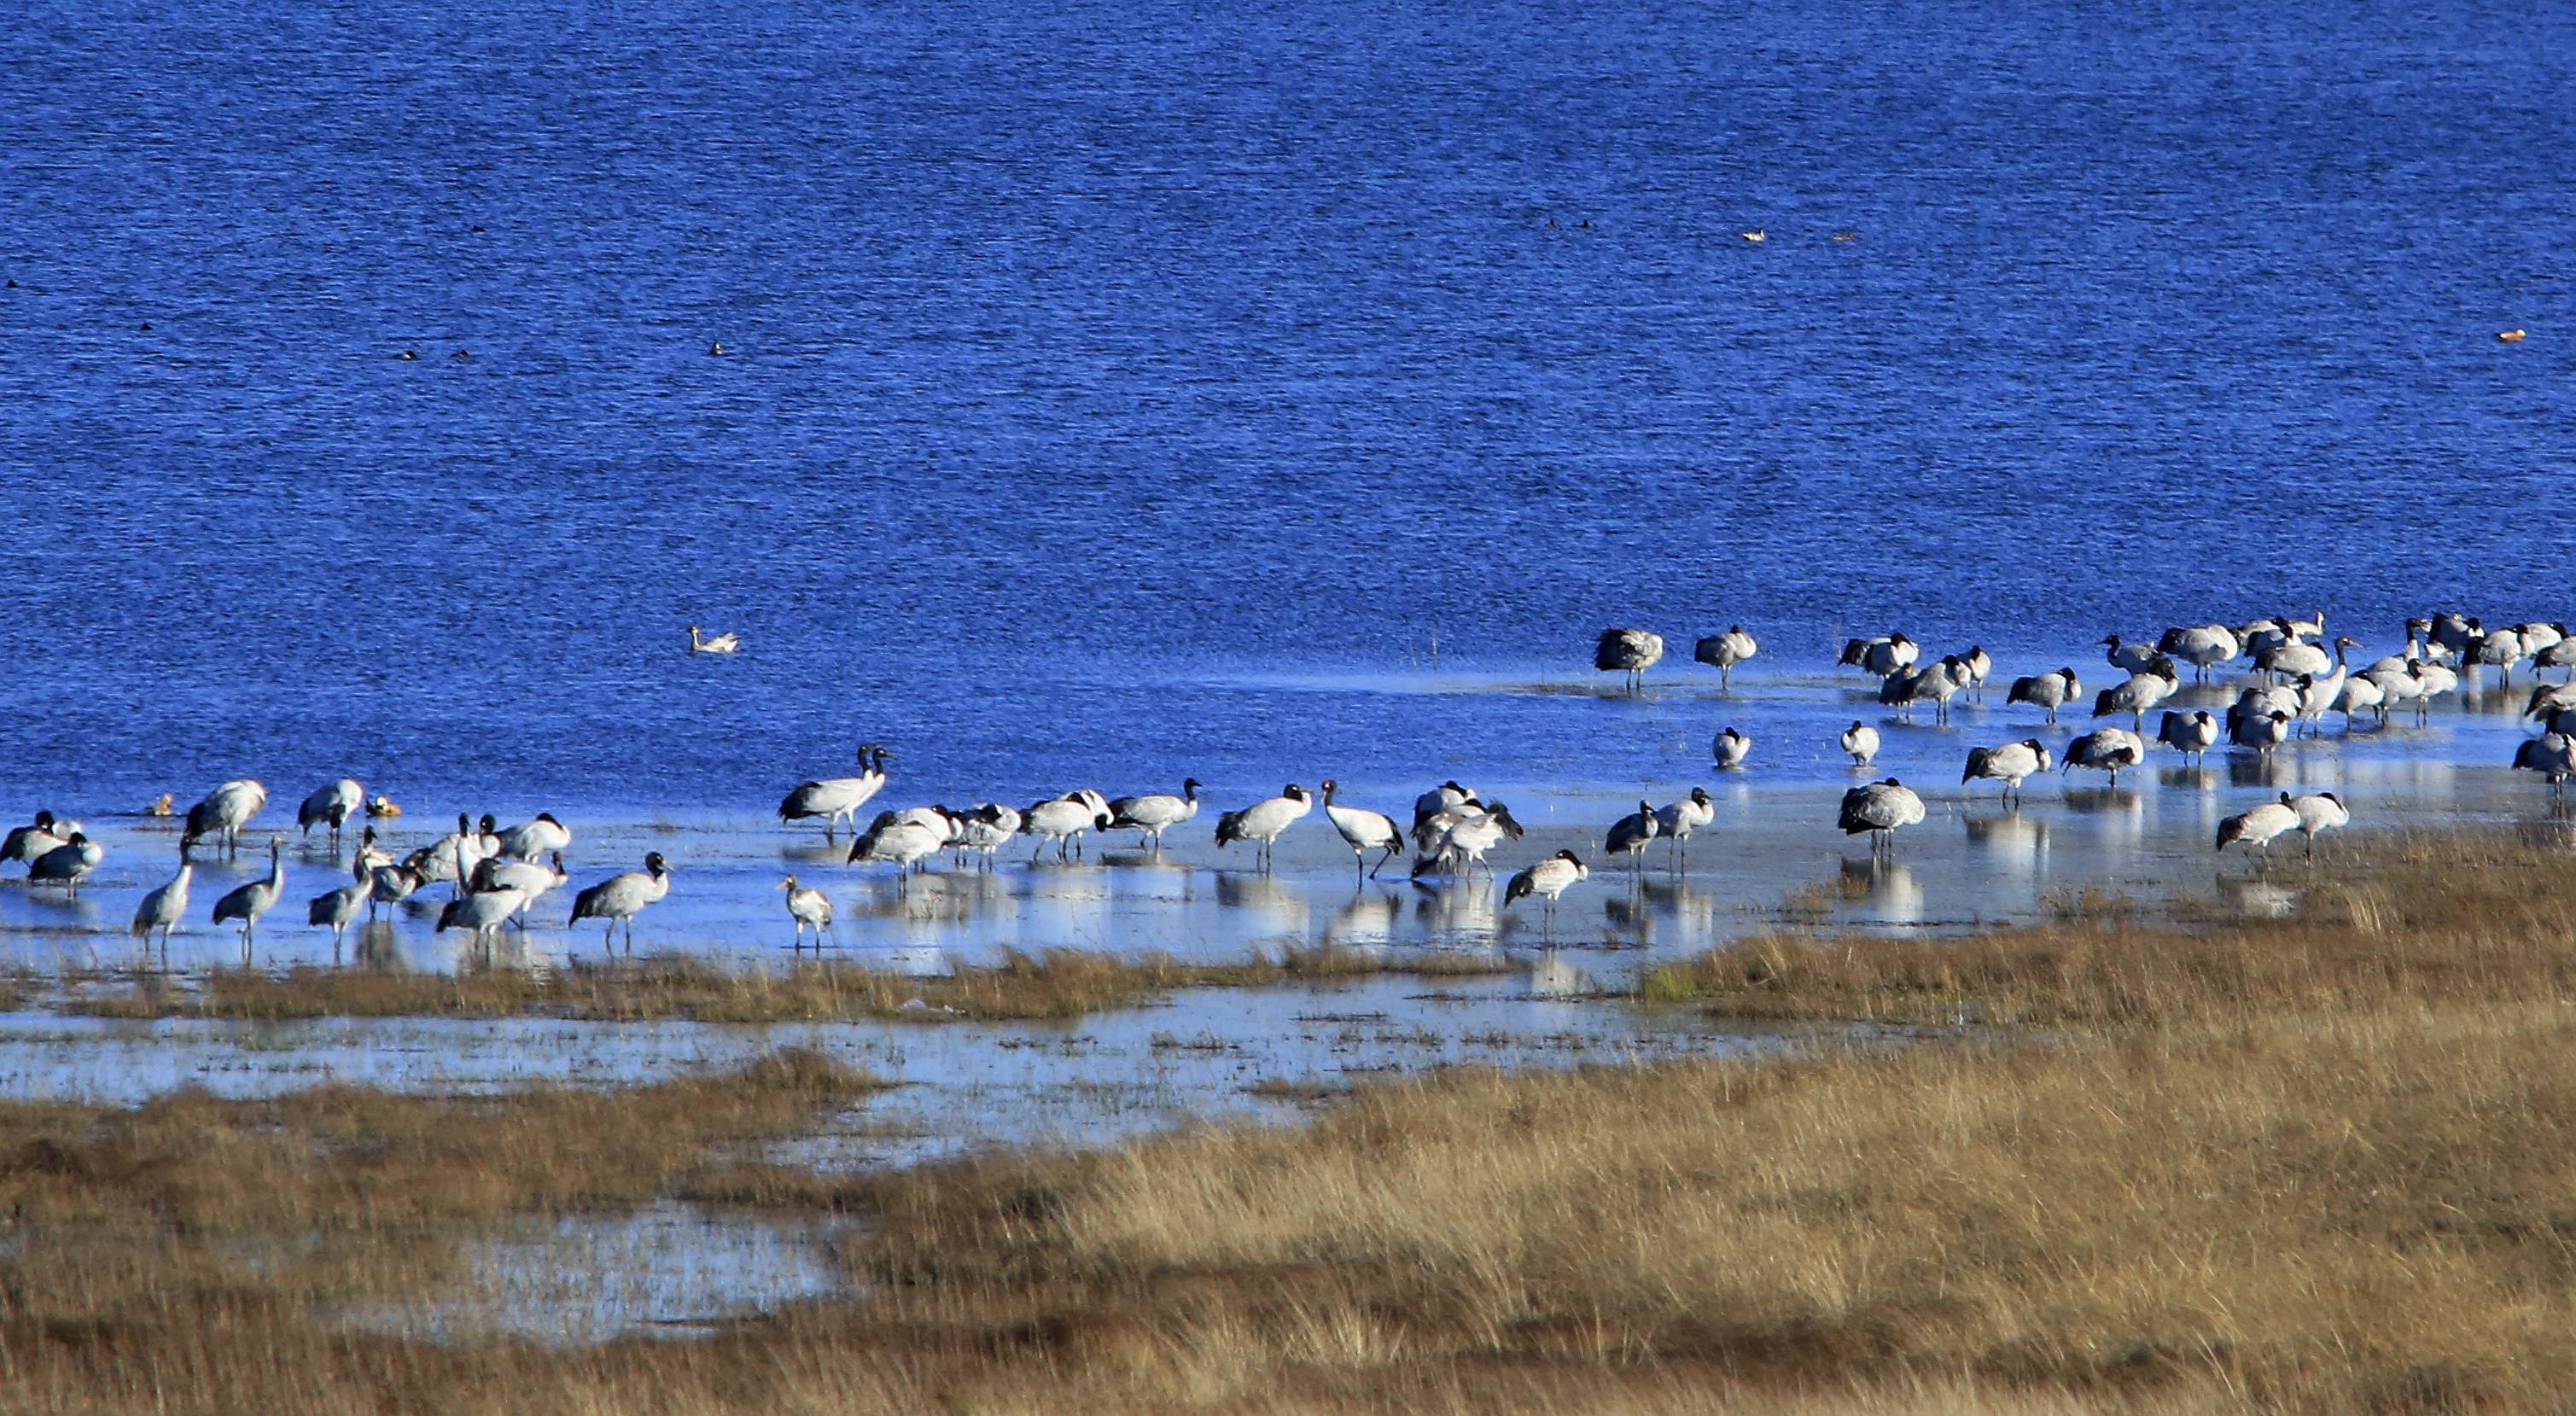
(1118, 392)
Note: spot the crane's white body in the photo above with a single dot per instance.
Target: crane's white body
(164, 905)
(1880, 810)
(837, 799)
(1362, 830)
(248, 902)
(2112, 750)
(534, 840)
(2050, 691)
(224, 812)
(331, 806)
(2008, 763)
(1063, 821)
(1263, 822)
(2259, 827)
(1730, 748)
(810, 908)
(620, 898)
(1861, 741)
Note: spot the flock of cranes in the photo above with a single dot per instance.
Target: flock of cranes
(498, 875)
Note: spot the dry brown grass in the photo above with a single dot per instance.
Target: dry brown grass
(1055, 983)
(2327, 1214)
(2320, 1164)
(2432, 918)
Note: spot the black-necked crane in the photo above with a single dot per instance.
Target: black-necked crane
(336, 910)
(67, 864)
(2561, 654)
(1730, 749)
(534, 840)
(1063, 820)
(2049, 691)
(247, 902)
(2437, 679)
(2548, 700)
(1628, 651)
(2259, 827)
(2360, 693)
(1448, 796)
(2497, 649)
(1677, 821)
(452, 857)
(164, 905)
(1880, 654)
(2128, 656)
(532, 879)
(2260, 731)
(620, 898)
(393, 885)
(810, 908)
(838, 799)
(2552, 755)
(2447, 635)
(29, 842)
(726, 643)
(1363, 831)
(1629, 836)
(1939, 682)
(2191, 734)
(2317, 695)
(486, 913)
(906, 841)
(2203, 646)
(1980, 664)
(224, 812)
(2150, 685)
(1262, 822)
(2112, 750)
(1462, 833)
(2401, 686)
(331, 806)
(2318, 813)
(1879, 809)
(2008, 764)
(1723, 652)
(989, 828)
(1861, 741)
(2291, 658)
(1548, 879)
(1154, 813)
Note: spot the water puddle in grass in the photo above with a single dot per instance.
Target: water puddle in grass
(667, 1270)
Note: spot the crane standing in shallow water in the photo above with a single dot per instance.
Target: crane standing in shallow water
(1363, 831)
(250, 901)
(620, 898)
(1629, 651)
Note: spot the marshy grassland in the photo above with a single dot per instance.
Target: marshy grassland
(1050, 984)
(2151, 1159)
